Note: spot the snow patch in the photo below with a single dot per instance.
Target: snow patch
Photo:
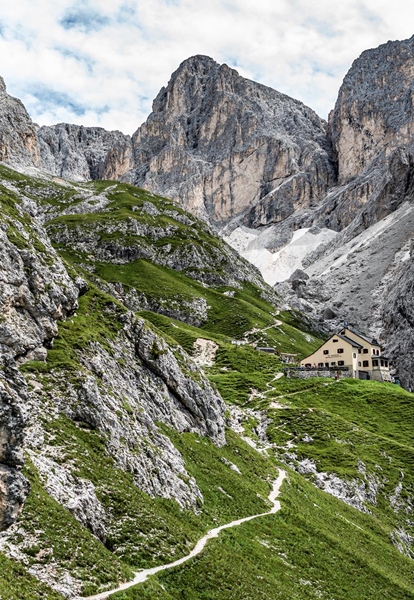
(277, 266)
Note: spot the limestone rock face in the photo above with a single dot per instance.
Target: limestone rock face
(84, 153)
(13, 420)
(122, 390)
(18, 141)
(206, 414)
(35, 293)
(397, 318)
(227, 147)
(364, 275)
(371, 129)
(374, 111)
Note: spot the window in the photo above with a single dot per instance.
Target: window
(333, 364)
(365, 351)
(340, 350)
(359, 364)
(340, 363)
(326, 351)
(386, 363)
(365, 363)
(375, 363)
(359, 350)
(320, 364)
(334, 341)
(382, 363)
(354, 355)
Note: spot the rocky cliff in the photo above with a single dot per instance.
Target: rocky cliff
(225, 147)
(18, 141)
(229, 148)
(92, 392)
(354, 275)
(84, 153)
(36, 292)
(87, 360)
(288, 191)
(373, 113)
(113, 450)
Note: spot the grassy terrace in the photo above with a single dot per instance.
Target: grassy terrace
(96, 320)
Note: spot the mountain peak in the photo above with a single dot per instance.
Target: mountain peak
(198, 60)
(3, 89)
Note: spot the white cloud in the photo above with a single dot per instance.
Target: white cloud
(101, 62)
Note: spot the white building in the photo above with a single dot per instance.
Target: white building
(350, 348)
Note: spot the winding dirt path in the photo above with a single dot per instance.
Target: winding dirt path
(306, 389)
(256, 394)
(141, 576)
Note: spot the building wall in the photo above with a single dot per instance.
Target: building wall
(352, 357)
(380, 373)
(348, 356)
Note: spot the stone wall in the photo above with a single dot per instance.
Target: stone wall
(309, 373)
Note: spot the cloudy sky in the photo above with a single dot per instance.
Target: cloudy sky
(101, 62)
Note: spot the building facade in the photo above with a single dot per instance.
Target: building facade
(353, 350)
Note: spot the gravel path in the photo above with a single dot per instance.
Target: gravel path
(141, 576)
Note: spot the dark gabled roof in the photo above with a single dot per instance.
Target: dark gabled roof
(348, 340)
(364, 337)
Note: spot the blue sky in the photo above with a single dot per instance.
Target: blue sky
(101, 62)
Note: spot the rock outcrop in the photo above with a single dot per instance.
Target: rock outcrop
(35, 293)
(371, 128)
(84, 153)
(18, 141)
(397, 317)
(121, 385)
(372, 208)
(374, 111)
(13, 420)
(227, 147)
(288, 191)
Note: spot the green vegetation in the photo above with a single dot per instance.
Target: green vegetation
(381, 408)
(159, 232)
(16, 583)
(96, 320)
(141, 531)
(360, 431)
(54, 532)
(315, 547)
(20, 230)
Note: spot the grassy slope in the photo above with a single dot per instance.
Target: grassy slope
(17, 584)
(228, 315)
(56, 533)
(350, 422)
(315, 547)
(143, 531)
(294, 554)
